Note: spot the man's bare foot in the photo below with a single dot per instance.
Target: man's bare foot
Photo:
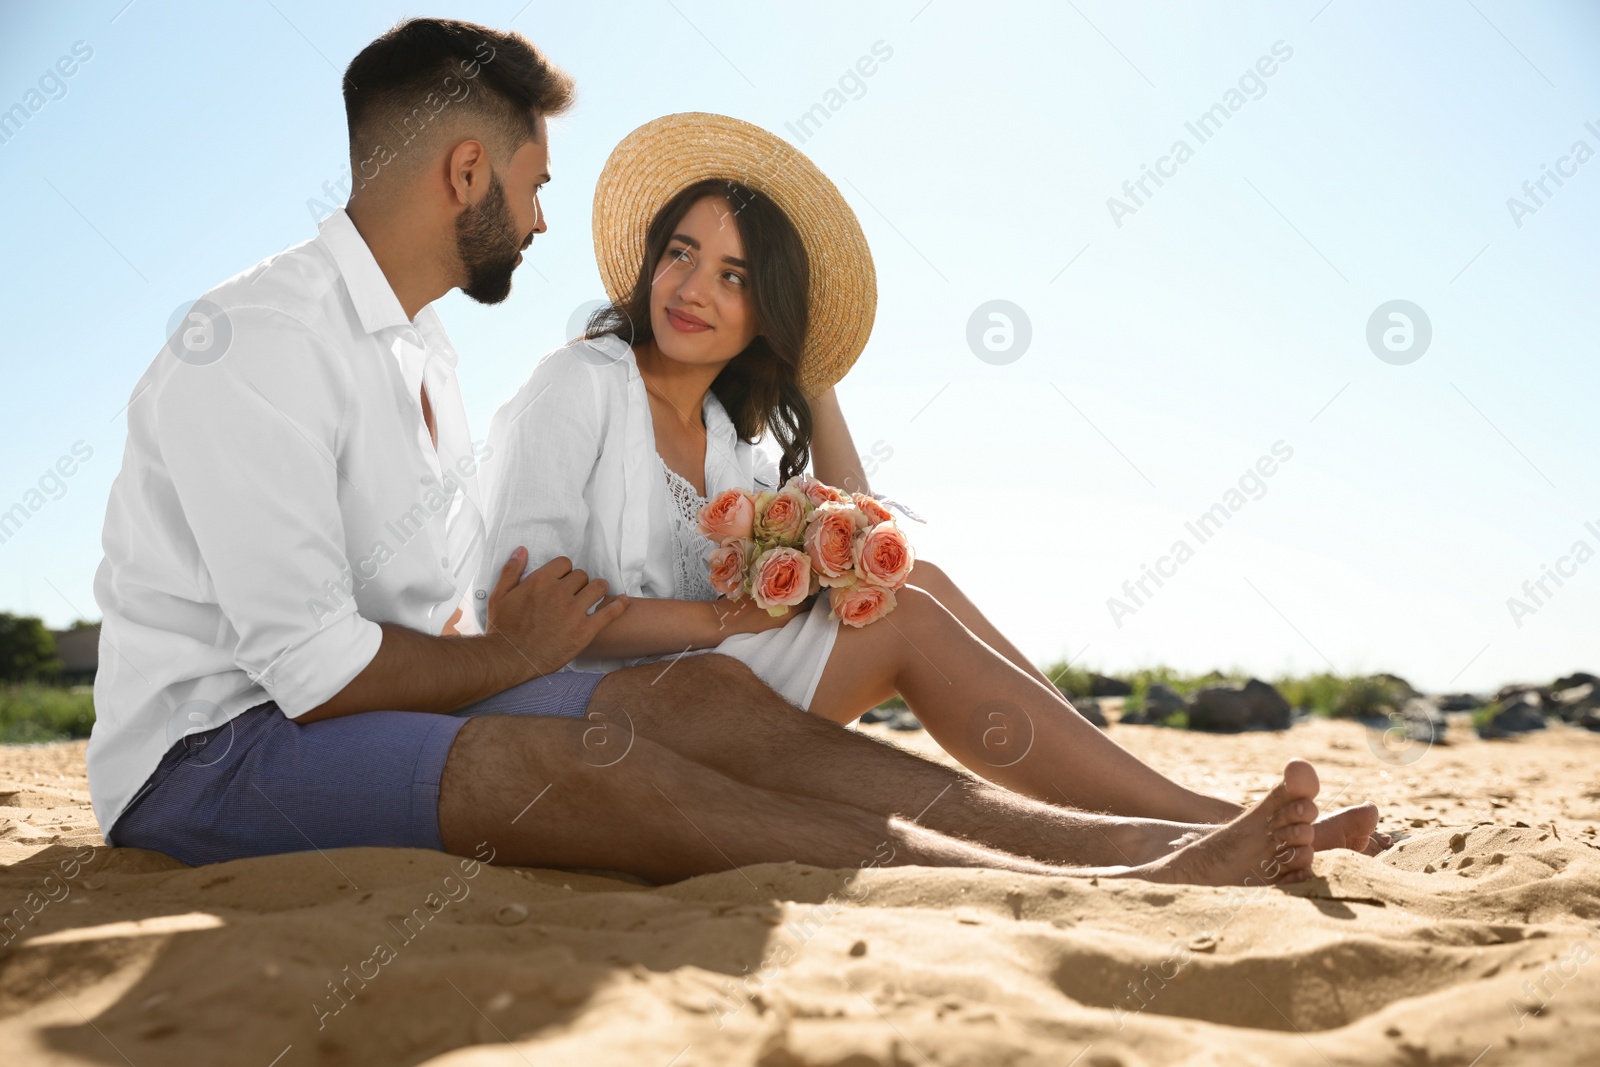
(1354, 828)
(1270, 844)
(1345, 828)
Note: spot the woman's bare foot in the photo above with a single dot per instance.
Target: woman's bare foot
(1355, 828)
(1270, 844)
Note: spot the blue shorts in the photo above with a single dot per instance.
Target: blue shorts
(262, 784)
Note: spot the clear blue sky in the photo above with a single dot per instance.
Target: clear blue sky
(1171, 347)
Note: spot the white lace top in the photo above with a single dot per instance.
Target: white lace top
(691, 550)
(790, 659)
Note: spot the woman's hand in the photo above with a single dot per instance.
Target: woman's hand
(657, 627)
(743, 617)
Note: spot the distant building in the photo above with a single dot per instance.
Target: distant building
(79, 652)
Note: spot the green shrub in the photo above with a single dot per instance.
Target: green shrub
(1362, 696)
(1327, 694)
(1369, 696)
(1185, 685)
(1072, 681)
(1319, 694)
(1481, 717)
(27, 650)
(1143, 678)
(32, 712)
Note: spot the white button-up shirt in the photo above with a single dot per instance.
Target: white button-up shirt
(279, 497)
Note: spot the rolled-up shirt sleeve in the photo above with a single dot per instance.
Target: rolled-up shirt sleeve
(544, 445)
(251, 442)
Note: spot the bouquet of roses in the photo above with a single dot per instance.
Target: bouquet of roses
(781, 547)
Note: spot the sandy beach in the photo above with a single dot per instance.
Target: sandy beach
(1473, 941)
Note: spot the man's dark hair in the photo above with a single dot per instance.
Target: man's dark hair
(426, 70)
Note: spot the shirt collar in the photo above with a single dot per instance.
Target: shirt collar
(370, 292)
(718, 423)
(438, 342)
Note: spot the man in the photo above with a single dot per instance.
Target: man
(297, 522)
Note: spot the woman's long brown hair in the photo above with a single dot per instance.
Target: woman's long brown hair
(760, 388)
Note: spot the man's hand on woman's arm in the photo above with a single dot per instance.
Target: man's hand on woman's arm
(537, 625)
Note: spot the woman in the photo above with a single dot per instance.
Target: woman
(742, 289)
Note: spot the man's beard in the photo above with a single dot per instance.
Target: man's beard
(486, 241)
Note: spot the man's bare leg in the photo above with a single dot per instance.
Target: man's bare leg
(713, 710)
(530, 789)
(534, 791)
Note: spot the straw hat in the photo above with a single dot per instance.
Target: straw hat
(673, 152)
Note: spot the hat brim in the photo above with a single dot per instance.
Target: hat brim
(666, 155)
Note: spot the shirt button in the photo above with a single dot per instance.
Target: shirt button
(427, 479)
(444, 561)
(481, 595)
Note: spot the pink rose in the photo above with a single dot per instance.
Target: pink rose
(729, 514)
(831, 542)
(884, 556)
(728, 565)
(874, 511)
(780, 579)
(781, 516)
(860, 604)
(818, 492)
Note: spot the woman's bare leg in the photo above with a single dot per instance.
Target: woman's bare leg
(996, 719)
(944, 589)
(1352, 827)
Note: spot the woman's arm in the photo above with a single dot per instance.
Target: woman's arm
(833, 454)
(542, 450)
(655, 627)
